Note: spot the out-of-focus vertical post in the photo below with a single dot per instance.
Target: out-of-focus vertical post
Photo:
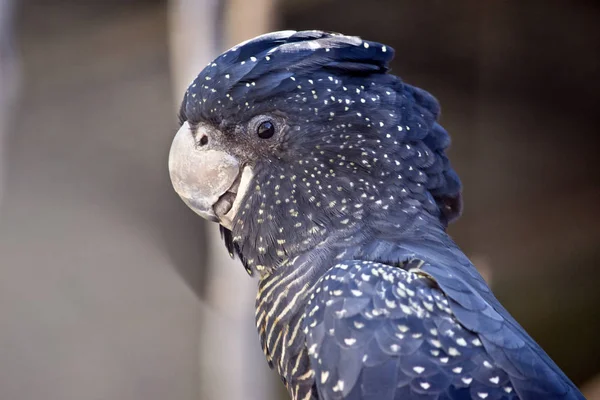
(231, 365)
(246, 19)
(194, 36)
(8, 79)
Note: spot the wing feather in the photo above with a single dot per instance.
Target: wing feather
(380, 332)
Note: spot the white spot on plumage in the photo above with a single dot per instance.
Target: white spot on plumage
(425, 385)
(339, 386)
(466, 380)
(418, 369)
(405, 309)
(453, 352)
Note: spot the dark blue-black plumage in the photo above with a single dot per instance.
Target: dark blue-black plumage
(386, 325)
(356, 184)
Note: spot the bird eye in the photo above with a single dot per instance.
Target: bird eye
(265, 130)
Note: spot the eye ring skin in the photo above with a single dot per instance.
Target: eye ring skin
(254, 125)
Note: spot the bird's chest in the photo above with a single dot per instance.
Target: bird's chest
(279, 320)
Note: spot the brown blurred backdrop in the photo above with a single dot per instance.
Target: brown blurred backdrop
(110, 288)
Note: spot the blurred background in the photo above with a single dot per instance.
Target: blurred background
(110, 288)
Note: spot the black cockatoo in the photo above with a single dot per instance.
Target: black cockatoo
(330, 181)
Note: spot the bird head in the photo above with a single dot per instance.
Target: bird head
(293, 139)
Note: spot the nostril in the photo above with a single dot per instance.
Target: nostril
(203, 140)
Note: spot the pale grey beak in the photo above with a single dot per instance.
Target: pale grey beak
(201, 174)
